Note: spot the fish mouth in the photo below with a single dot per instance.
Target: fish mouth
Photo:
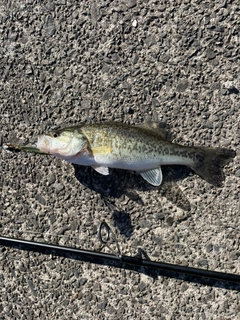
(43, 143)
(51, 145)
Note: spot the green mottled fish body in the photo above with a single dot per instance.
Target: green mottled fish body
(141, 148)
(133, 147)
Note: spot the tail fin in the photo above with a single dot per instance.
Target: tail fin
(211, 162)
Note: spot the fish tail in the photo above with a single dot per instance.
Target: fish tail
(210, 162)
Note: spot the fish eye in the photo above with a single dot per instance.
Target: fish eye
(55, 135)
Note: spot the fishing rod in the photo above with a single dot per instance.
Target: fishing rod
(104, 237)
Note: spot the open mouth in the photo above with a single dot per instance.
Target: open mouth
(48, 144)
(43, 144)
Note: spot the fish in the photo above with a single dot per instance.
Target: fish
(142, 148)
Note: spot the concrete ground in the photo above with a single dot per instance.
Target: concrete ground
(69, 62)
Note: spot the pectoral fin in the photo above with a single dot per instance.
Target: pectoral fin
(101, 150)
(101, 170)
(153, 176)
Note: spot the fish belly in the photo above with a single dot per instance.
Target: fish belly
(140, 162)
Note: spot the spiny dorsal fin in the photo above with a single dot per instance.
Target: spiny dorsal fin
(158, 128)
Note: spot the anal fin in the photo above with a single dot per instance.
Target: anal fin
(153, 176)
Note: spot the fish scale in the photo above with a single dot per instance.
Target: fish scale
(129, 143)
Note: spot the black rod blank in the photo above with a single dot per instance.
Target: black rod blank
(122, 259)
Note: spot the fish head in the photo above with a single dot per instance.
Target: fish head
(62, 143)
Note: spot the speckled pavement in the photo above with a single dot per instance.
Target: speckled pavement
(69, 62)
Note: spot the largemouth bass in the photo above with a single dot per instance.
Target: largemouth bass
(141, 148)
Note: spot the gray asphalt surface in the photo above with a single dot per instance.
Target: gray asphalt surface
(68, 62)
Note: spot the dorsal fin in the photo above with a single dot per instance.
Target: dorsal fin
(158, 128)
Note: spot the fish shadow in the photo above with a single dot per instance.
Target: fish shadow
(123, 182)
